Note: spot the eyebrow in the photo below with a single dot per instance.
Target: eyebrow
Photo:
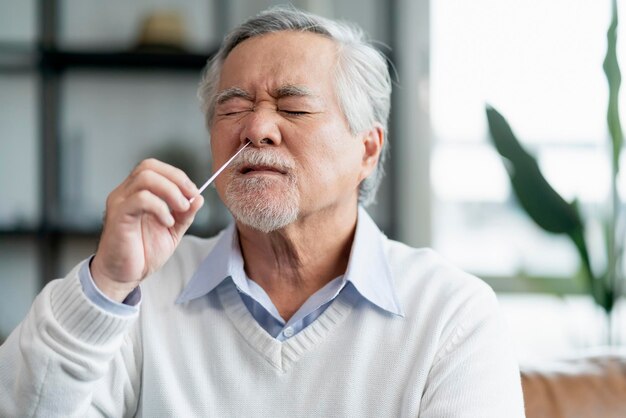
(232, 93)
(288, 90)
(291, 90)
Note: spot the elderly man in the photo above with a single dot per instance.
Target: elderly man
(302, 307)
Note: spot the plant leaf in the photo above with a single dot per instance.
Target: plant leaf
(542, 203)
(614, 79)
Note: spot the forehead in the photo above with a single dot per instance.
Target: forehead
(281, 58)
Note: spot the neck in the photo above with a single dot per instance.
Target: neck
(293, 263)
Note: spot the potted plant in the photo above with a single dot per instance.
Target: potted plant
(555, 215)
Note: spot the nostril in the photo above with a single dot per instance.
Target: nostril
(262, 141)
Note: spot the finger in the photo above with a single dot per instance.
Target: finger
(160, 186)
(175, 175)
(184, 220)
(147, 202)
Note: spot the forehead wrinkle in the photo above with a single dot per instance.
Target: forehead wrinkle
(231, 93)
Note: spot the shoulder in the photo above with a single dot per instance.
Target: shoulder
(442, 303)
(422, 275)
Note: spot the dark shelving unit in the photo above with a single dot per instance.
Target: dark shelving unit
(49, 64)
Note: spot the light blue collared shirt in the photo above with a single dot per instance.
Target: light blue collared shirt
(367, 276)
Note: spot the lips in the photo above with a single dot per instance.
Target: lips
(255, 168)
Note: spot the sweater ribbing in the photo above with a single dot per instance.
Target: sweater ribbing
(280, 354)
(78, 316)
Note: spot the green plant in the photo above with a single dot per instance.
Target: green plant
(550, 211)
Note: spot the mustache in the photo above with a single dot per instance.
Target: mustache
(256, 157)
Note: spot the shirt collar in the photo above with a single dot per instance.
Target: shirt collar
(368, 268)
(221, 262)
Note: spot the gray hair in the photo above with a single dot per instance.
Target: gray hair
(362, 78)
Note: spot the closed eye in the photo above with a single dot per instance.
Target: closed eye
(295, 112)
(236, 112)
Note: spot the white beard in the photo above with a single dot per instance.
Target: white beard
(264, 203)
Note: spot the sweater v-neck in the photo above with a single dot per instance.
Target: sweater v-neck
(282, 355)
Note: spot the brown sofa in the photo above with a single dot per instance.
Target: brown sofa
(586, 387)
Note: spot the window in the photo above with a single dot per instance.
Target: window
(540, 64)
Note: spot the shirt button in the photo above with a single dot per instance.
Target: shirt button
(288, 332)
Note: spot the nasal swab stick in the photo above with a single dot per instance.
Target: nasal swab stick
(210, 180)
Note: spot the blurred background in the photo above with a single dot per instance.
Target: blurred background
(90, 88)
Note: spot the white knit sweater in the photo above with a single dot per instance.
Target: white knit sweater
(446, 358)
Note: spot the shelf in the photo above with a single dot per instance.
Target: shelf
(19, 58)
(87, 232)
(38, 232)
(19, 233)
(122, 60)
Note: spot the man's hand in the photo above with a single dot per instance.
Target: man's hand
(146, 217)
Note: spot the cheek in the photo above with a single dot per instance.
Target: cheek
(223, 142)
(332, 163)
(220, 186)
(226, 130)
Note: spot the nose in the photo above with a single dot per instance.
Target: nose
(261, 128)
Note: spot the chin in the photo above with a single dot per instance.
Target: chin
(262, 203)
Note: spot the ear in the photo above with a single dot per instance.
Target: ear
(373, 140)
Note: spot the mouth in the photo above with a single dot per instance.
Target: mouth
(261, 169)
